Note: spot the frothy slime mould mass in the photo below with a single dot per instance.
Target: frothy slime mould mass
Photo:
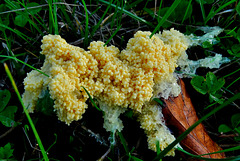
(116, 79)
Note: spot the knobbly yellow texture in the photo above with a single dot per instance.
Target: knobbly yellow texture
(152, 121)
(123, 79)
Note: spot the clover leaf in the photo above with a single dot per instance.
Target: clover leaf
(5, 96)
(235, 127)
(210, 85)
(6, 152)
(7, 113)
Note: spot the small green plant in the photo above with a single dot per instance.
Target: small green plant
(25, 14)
(234, 127)
(128, 153)
(235, 50)
(22, 17)
(6, 152)
(7, 112)
(209, 85)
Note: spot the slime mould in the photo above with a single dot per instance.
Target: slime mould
(117, 79)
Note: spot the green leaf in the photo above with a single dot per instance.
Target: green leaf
(123, 141)
(199, 84)
(238, 34)
(165, 17)
(5, 96)
(129, 114)
(230, 52)
(235, 120)
(7, 116)
(237, 138)
(171, 17)
(211, 79)
(237, 129)
(158, 101)
(207, 44)
(34, 10)
(3, 8)
(20, 20)
(158, 147)
(6, 152)
(181, 8)
(215, 97)
(213, 83)
(235, 48)
(91, 99)
(4, 19)
(12, 5)
(223, 128)
(238, 8)
(135, 158)
(45, 104)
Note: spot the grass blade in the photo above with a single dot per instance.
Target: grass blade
(55, 18)
(202, 158)
(65, 15)
(20, 34)
(124, 143)
(115, 32)
(223, 151)
(28, 19)
(219, 9)
(14, 58)
(233, 82)
(189, 4)
(202, 10)
(133, 4)
(159, 10)
(45, 157)
(91, 99)
(52, 18)
(167, 14)
(184, 134)
(55, 141)
(100, 21)
(128, 13)
(86, 26)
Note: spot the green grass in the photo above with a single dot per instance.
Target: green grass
(167, 14)
(45, 157)
(22, 25)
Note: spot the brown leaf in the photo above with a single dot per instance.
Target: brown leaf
(180, 113)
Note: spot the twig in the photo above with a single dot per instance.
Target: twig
(228, 135)
(96, 136)
(228, 145)
(7, 132)
(30, 142)
(104, 155)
